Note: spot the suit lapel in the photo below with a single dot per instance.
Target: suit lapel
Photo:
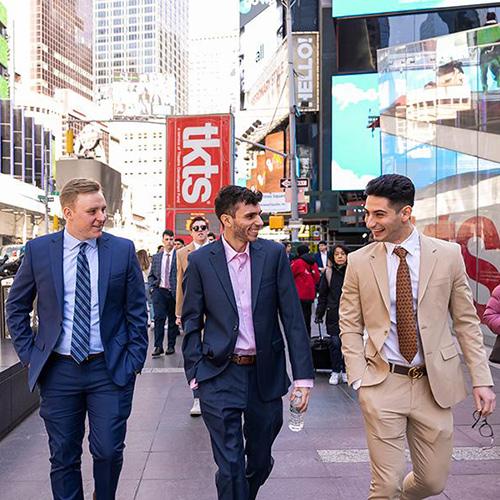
(104, 255)
(257, 259)
(428, 259)
(378, 262)
(56, 262)
(218, 261)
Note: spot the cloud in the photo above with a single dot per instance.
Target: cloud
(348, 93)
(347, 179)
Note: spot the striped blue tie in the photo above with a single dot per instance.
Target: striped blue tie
(80, 338)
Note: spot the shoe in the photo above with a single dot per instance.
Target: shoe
(195, 410)
(344, 378)
(157, 351)
(334, 378)
(170, 350)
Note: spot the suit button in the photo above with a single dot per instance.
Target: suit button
(235, 328)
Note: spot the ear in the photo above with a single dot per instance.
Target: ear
(406, 213)
(67, 212)
(226, 220)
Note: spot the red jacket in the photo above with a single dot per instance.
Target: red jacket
(306, 275)
(491, 316)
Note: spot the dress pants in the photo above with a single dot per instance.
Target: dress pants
(164, 307)
(224, 400)
(402, 407)
(68, 393)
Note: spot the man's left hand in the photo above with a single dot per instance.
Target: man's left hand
(484, 399)
(306, 391)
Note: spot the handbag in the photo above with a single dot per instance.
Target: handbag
(495, 352)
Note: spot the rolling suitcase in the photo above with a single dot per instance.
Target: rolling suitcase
(320, 351)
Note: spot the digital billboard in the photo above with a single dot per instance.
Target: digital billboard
(355, 147)
(353, 8)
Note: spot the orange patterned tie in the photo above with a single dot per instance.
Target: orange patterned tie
(405, 316)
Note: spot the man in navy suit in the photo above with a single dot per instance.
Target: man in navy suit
(162, 282)
(321, 256)
(236, 290)
(91, 339)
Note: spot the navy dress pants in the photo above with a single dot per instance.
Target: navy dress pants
(224, 400)
(164, 306)
(68, 393)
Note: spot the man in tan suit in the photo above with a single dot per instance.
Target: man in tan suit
(199, 232)
(402, 289)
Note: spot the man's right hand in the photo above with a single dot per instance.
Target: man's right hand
(178, 321)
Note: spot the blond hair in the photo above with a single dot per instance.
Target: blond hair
(74, 187)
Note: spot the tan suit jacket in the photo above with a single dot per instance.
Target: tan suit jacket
(182, 263)
(443, 290)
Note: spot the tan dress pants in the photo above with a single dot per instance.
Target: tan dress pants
(399, 408)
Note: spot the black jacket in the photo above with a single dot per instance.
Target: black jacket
(329, 299)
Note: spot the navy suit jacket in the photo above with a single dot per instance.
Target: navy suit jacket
(155, 272)
(122, 305)
(210, 306)
(317, 258)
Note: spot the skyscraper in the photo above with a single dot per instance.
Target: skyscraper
(141, 46)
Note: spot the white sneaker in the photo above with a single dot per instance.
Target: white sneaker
(195, 410)
(344, 378)
(334, 378)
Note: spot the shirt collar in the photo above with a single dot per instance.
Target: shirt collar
(197, 245)
(231, 253)
(70, 242)
(411, 244)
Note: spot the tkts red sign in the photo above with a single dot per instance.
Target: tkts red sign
(199, 161)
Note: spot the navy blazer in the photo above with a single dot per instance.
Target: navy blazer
(122, 305)
(210, 306)
(317, 258)
(154, 277)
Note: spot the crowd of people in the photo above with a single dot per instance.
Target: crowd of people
(237, 299)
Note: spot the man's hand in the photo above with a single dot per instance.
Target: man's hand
(178, 321)
(306, 391)
(484, 399)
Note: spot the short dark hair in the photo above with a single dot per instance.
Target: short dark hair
(167, 232)
(302, 250)
(322, 242)
(180, 240)
(212, 235)
(229, 196)
(491, 16)
(398, 189)
(198, 218)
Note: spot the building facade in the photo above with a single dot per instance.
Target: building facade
(141, 55)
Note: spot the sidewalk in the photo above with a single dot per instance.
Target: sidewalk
(168, 452)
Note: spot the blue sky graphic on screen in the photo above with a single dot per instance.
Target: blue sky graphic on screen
(355, 148)
(342, 8)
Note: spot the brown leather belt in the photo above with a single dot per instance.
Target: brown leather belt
(90, 357)
(243, 359)
(414, 372)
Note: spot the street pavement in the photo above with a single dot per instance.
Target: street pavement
(168, 452)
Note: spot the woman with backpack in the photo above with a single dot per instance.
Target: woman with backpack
(330, 290)
(306, 275)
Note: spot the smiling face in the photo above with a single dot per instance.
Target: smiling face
(86, 216)
(246, 223)
(386, 221)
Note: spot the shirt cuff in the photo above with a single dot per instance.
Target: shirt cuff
(193, 384)
(304, 383)
(356, 384)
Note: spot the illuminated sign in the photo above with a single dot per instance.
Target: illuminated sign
(353, 8)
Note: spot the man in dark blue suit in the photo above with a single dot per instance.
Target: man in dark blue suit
(321, 256)
(162, 282)
(236, 290)
(91, 339)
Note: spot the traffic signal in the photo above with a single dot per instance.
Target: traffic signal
(276, 222)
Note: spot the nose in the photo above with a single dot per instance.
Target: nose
(259, 222)
(369, 222)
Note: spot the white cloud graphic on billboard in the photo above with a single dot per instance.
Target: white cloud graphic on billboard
(347, 93)
(343, 179)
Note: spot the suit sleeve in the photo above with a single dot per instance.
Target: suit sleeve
(352, 325)
(136, 312)
(324, 289)
(179, 296)
(19, 306)
(293, 322)
(466, 325)
(193, 319)
(152, 278)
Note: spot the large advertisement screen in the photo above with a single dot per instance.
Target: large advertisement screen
(355, 145)
(353, 8)
(199, 162)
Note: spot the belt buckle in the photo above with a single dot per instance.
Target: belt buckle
(415, 372)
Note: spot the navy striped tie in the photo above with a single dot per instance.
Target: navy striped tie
(80, 338)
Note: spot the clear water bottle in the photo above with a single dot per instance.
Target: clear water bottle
(296, 418)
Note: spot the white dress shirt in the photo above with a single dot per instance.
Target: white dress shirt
(391, 345)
